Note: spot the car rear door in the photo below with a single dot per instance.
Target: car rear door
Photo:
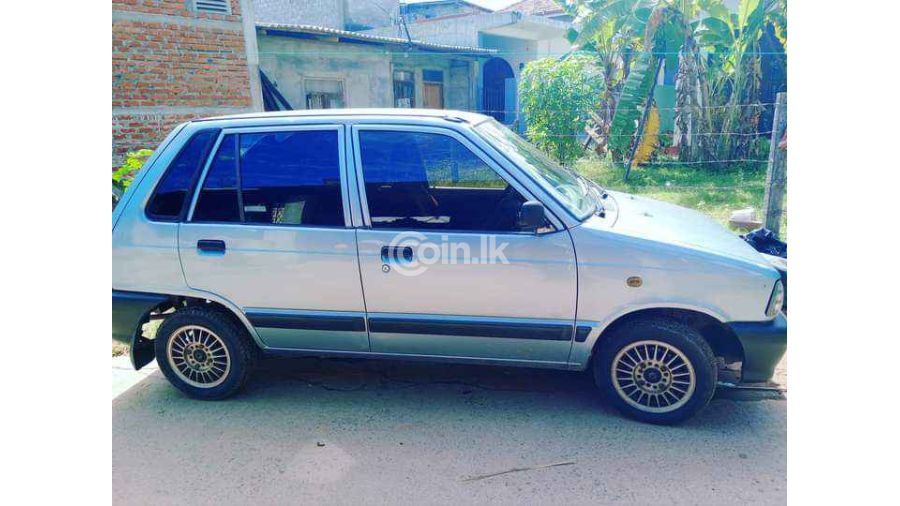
(269, 230)
(436, 212)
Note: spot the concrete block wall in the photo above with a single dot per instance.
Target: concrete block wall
(171, 64)
(328, 13)
(365, 14)
(364, 71)
(416, 11)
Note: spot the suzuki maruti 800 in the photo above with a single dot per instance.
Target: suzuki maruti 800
(427, 235)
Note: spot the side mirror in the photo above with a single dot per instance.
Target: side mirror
(531, 216)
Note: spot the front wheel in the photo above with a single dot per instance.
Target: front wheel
(204, 353)
(657, 371)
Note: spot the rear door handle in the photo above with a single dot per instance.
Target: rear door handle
(211, 246)
(396, 253)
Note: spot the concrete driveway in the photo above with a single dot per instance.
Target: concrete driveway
(338, 431)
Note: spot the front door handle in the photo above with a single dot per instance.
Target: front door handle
(396, 253)
(211, 246)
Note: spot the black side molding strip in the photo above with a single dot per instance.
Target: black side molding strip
(581, 333)
(308, 322)
(539, 331)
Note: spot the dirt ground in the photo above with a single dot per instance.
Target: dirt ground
(377, 432)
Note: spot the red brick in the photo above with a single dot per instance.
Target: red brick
(158, 64)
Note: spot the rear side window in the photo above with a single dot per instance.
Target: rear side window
(170, 198)
(276, 178)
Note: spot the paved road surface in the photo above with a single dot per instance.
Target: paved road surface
(316, 431)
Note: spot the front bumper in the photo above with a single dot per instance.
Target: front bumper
(764, 344)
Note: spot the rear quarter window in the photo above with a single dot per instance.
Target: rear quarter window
(170, 198)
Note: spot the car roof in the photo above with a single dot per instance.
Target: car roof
(368, 113)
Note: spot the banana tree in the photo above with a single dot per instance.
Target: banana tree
(732, 41)
(664, 36)
(613, 31)
(610, 29)
(717, 56)
(691, 92)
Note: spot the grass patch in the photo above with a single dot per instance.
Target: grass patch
(713, 192)
(119, 349)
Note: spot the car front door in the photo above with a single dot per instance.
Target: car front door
(446, 270)
(269, 230)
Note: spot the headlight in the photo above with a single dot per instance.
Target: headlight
(775, 300)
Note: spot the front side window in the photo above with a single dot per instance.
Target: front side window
(419, 180)
(276, 178)
(170, 197)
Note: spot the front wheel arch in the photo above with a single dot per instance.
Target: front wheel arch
(720, 337)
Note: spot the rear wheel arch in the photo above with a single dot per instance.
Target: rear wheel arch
(142, 347)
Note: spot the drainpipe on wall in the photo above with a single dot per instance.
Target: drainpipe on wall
(248, 18)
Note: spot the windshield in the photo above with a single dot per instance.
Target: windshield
(563, 184)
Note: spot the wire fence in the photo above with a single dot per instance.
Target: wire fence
(420, 48)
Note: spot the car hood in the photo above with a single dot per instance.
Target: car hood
(657, 221)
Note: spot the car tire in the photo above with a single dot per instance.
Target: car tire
(204, 352)
(656, 370)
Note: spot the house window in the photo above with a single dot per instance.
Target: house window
(216, 6)
(324, 94)
(433, 89)
(404, 88)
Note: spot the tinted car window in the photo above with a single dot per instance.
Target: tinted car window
(218, 200)
(432, 181)
(285, 178)
(170, 196)
(291, 178)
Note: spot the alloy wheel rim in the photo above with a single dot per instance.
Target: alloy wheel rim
(198, 356)
(653, 376)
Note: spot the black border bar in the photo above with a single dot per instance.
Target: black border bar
(308, 322)
(476, 328)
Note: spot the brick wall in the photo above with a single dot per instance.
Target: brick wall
(174, 8)
(171, 64)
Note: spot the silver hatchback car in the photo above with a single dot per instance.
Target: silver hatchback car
(435, 235)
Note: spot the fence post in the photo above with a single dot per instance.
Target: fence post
(776, 175)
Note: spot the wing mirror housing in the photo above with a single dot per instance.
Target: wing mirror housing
(531, 216)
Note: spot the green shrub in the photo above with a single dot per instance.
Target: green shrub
(557, 97)
(134, 160)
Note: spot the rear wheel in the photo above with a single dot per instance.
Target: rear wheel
(657, 371)
(203, 353)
